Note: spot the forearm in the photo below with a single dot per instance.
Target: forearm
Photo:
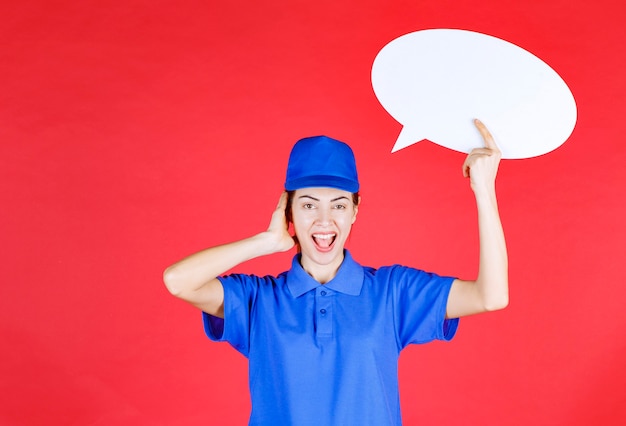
(193, 272)
(492, 280)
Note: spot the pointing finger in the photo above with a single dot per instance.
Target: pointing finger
(487, 137)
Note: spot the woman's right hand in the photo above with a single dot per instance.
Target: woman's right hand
(194, 278)
(278, 230)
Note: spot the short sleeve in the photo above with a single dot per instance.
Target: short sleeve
(420, 306)
(213, 326)
(234, 328)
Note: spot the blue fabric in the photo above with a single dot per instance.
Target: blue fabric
(321, 161)
(328, 354)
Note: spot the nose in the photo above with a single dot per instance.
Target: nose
(324, 217)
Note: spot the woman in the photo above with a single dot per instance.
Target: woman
(323, 338)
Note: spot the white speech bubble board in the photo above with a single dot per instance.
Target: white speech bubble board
(435, 82)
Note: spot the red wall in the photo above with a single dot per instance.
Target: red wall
(135, 132)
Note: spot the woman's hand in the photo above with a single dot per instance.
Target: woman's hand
(278, 231)
(481, 165)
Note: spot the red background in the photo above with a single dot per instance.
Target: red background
(135, 132)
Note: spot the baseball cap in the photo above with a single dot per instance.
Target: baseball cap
(324, 162)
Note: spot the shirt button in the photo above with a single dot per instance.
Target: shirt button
(323, 293)
(323, 311)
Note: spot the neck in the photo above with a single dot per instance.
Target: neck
(321, 273)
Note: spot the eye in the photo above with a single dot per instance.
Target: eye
(340, 206)
(308, 206)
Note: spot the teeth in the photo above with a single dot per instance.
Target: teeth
(324, 236)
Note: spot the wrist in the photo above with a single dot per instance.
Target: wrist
(267, 243)
(485, 195)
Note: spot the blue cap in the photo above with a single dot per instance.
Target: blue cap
(324, 162)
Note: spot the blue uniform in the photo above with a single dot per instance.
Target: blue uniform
(328, 354)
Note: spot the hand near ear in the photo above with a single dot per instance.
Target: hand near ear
(279, 228)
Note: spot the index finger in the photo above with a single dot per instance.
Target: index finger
(484, 132)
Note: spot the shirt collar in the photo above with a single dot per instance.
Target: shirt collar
(349, 278)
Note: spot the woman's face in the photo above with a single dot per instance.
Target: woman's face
(322, 219)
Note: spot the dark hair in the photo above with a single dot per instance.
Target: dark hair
(290, 194)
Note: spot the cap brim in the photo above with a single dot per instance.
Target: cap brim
(322, 182)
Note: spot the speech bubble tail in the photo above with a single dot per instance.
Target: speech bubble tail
(405, 138)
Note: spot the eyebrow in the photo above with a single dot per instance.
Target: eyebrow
(342, 197)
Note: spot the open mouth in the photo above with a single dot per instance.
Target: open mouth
(324, 242)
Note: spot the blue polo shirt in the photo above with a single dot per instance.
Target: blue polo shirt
(328, 354)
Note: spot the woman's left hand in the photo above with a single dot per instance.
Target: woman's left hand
(481, 165)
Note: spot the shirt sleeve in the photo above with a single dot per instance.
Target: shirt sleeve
(234, 328)
(420, 306)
